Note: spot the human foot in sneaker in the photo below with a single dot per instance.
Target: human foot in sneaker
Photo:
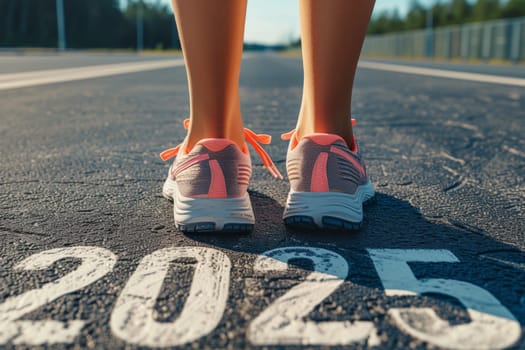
(208, 185)
(328, 183)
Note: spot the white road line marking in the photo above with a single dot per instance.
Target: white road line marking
(491, 326)
(441, 73)
(514, 151)
(283, 323)
(26, 79)
(95, 263)
(451, 157)
(520, 266)
(133, 318)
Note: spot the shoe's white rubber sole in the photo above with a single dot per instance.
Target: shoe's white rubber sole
(209, 214)
(330, 210)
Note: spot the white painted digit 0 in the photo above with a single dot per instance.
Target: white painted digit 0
(283, 321)
(492, 326)
(95, 263)
(132, 319)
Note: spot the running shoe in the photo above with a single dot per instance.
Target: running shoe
(328, 183)
(208, 185)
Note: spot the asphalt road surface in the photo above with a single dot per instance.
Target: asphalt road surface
(90, 257)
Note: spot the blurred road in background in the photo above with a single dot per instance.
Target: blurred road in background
(14, 63)
(90, 256)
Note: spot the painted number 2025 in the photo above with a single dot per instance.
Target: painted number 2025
(284, 322)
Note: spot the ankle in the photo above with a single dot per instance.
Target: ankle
(343, 129)
(199, 131)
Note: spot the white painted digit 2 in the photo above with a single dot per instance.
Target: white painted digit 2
(282, 322)
(132, 319)
(96, 262)
(492, 325)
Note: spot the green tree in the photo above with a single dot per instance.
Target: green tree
(159, 25)
(89, 24)
(441, 14)
(461, 11)
(93, 23)
(416, 16)
(514, 8)
(452, 12)
(486, 10)
(27, 23)
(386, 22)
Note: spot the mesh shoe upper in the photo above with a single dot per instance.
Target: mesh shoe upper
(214, 168)
(324, 163)
(217, 167)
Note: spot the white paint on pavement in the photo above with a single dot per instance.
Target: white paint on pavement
(516, 265)
(491, 325)
(452, 158)
(282, 323)
(95, 263)
(42, 77)
(133, 320)
(441, 73)
(514, 151)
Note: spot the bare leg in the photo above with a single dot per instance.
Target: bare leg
(332, 36)
(211, 34)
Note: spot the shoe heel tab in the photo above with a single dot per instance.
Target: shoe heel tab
(323, 139)
(216, 144)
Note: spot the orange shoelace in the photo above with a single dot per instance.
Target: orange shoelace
(251, 137)
(288, 135)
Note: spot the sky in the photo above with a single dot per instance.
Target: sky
(277, 21)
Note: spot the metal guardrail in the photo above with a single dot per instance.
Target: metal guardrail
(501, 40)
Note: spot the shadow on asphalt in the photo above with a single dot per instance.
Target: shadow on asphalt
(393, 223)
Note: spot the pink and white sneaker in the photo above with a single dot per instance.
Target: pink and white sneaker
(208, 185)
(328, 183)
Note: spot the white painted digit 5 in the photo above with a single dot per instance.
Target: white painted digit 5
(492, 325)
(282, 322)
(132, 319)
(96, 262)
